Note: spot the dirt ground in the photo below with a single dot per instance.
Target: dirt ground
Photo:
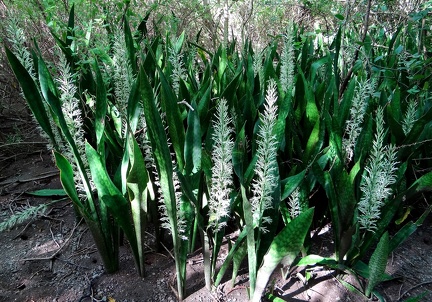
(53, 258)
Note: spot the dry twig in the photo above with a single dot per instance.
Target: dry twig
(412, 288)
(53, 256)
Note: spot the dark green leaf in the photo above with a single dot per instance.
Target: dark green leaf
(68, 183)
(173, 119)
(378, 263)
(230, 256)
(71, 25)
(407, 230)
(424, 183)
(112, 198)
(286, 244)
(312, 143)
(137, 180)
(250, 240)
(130, 47)
(340, 17)
(291, 183)
(101, 105)
(31, 94)
(316, 259)
(239, 154)
(161, 152)
(48, 192)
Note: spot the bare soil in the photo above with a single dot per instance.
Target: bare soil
(53, 257)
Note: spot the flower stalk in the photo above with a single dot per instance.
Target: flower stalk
(379, 175)
(265, 181)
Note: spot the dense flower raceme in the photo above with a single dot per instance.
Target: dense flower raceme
(265, 181)
(379, 175)
(222, 169)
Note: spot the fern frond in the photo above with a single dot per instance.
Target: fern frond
(26, 214)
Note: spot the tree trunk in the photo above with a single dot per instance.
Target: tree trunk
(226, 24)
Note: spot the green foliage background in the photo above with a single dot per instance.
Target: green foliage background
(328, 104)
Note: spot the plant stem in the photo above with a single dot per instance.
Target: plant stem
(250, 238)
(207, 261)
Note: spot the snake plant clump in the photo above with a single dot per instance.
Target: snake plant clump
(152, 129)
